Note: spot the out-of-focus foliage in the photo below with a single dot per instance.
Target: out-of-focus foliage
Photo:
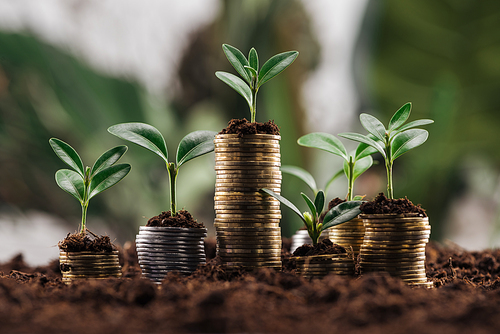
(444, 56)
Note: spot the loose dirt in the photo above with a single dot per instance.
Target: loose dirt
(243, 127)
(86, 242)
(381, 205)
(182, 219)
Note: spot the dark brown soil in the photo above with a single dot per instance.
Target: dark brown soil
(87, 242)
(181, 219)
(243, 127)
(213, 300)
(383, 205)
(324, 246)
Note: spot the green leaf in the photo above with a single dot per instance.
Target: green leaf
(400, 117)
(107, 177)
(143, 135)
(333, 178)
(414, 124)
(301, 174)
(361, 166)
(310, 204)
(71, 182)
(251, 71)
(319, 202)
(237, 59)
(194, 145)
(253, 59)
(341, 214)
(275, 65)
(284, 201)
(364, 150)
(108, 158)
(67, 154)
(406, 141)
(237, 84)
(373, 126)
(364, 139)
(325, 142)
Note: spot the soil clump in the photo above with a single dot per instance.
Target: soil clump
(383, 205)
(324, 246)
(243, 127)
(182, 219)
(86, 242)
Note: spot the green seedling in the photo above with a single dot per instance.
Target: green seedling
(392, 142)
(355, 163)
(85, 183)
(337, 215)
(249, 71)
(193, 145)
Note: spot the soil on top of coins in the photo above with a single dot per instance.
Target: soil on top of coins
(466, 299)
(243, 127)
(86, 242)
(383, 205)
(182, 219)
(324, 246)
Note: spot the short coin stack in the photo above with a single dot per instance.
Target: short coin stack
(247, 222)
(83, 265)
(302, 237)
(348, 234)
(318, 266)
(396, 245)
(164, 249)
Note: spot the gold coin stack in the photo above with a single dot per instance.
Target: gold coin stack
(83, 265)
(247, 222)
(349, 234)
(318, 266)
(396, 245)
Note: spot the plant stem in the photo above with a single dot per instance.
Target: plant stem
(253, 108)
(84, 217)
(388, 167)
(172, 173)
(85, 202)
(350, 180)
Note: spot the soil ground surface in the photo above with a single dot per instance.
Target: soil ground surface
(86, 242)
(243, 127)
(382, 205)
(212, 300)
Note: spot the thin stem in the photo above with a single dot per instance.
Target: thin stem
(84, 217)
(85, 202)
(388, 167)
(172, 173)
(350, 180)
(253, 108)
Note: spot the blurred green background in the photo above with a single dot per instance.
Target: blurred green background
(444, 56)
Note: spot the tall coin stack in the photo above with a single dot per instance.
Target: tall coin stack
(348, 234)
(247, 222)
(396, 245)
(83, 265)
(164, 249)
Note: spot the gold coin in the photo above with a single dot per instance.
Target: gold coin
(241, 251)
(264, 136)
(228, 158)
(245, 216)
(397, 234)
(249, 246)
(253, 208)
(248, 181)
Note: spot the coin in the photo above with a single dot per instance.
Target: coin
(227, 209)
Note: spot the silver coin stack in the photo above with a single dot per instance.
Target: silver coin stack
(164, 249)
(301, 237)
(349, 234)
(247, 222)
(396, 245)
(84, 265)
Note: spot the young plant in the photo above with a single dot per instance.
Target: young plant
(193, 145)
(249, 70)
(355, 163)
(85, 183)
(337, 215)
(392, 142)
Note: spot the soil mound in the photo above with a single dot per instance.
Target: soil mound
(243, 127)
(182, 219)
(325, 246)
(86, 242)
(383, 205)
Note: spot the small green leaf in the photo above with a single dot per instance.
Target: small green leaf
(107, 177)
(413, 124)
(361, 166)
(253, 59)
(333, 178)
(358, 198)
(108, 158)
(325, 142)
(251, 71)
(406, 141)
(67, 154)
(194, 145)
(364, 139)
(341, 214)
(284, 201)
(143, 135)
(310, 204)
(275, 65)
(319, 202)
(373, 126)
(400, 117)
(71, 182)
(237, 59)
(301, 174)
(364, 150)
(237, 84)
